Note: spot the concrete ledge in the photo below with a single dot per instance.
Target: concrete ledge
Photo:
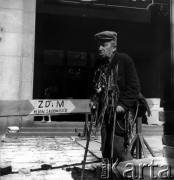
(14, 121)
(41, 134)
(9, 121)
(166, 116)
(3, 124)
(27, 121)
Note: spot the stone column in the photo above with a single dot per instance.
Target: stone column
(168, 116)
(172, 47)
(17, 31)
(17, 34)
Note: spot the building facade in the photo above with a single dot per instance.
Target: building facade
(49, 44)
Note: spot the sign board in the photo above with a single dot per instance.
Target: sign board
(43, 107)
(51, 106)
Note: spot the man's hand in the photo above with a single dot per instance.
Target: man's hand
(120, 109)
(92, 105)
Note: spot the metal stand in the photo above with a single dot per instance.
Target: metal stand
(139, 142)
(87, 127)
(88, 134)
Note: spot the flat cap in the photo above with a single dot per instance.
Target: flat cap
(106, 35)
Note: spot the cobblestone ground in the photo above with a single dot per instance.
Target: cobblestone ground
(26, 156)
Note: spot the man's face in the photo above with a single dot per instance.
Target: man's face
(106, 49)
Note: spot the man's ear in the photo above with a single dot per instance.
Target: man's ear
(114, 48)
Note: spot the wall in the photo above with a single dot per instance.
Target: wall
(17, 34)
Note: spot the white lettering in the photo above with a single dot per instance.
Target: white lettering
(132, 169)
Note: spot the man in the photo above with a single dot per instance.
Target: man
(116, 88)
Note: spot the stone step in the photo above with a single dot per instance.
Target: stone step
(59, 124)
(51, 129)
(81, 124)
(74, 128)
(151, 130)
(45, 134)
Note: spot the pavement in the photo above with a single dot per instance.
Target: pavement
(62, 157)
(27, 158)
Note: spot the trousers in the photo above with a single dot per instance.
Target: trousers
(121, 152)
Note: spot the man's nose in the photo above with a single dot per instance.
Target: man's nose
(100, 47)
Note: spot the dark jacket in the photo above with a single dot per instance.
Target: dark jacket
(128, 82)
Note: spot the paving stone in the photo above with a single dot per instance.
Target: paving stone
(32, 152)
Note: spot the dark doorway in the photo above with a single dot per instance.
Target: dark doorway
(65, 52)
